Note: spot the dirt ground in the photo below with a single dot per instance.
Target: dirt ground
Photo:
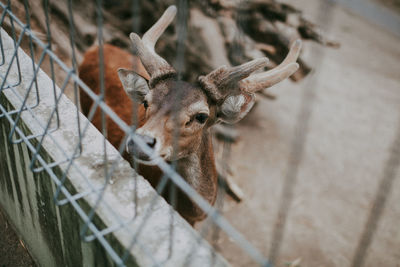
(352, 126)
(353, 123)
(12, 250)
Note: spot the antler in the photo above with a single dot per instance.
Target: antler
(225, 81)
(155, 65)
(267, 79)
(220, 82)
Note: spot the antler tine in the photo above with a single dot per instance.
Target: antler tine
(155, 65)
(292, 56)
(151, 36)
(284, 70)
(261, 81)
(220, 82)
(240, 72)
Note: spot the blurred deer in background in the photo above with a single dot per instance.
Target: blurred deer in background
(174, 117)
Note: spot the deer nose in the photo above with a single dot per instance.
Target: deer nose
(150, 141)
(134, 149)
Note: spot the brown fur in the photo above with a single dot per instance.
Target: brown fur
(115, 96)
(118, 100)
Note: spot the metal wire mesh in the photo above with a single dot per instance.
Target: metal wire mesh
(21, 32)
(69, 198)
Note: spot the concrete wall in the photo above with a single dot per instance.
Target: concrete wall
(51, 232)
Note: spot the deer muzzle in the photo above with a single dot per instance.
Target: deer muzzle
(143, 149)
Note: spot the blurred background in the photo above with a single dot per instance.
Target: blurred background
(317, 157)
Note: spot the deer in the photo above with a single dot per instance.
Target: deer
(144, 85)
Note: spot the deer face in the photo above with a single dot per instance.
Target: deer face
(178, 114)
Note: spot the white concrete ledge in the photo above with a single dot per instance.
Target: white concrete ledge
(117, 201)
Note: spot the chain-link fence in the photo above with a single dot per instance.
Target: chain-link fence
(40, 48)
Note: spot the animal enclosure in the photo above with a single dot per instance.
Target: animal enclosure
(106, 206)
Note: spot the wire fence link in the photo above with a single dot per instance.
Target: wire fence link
(89, 231)
(22, 35)
(298, 143)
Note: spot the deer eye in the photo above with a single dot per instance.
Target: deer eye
(145, 104)
(201, 117)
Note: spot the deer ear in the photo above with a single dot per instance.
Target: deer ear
(135, 86)
(235, 107)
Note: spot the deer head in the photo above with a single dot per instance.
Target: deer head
(189, 110)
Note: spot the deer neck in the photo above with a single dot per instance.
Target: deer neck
(198, 169)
